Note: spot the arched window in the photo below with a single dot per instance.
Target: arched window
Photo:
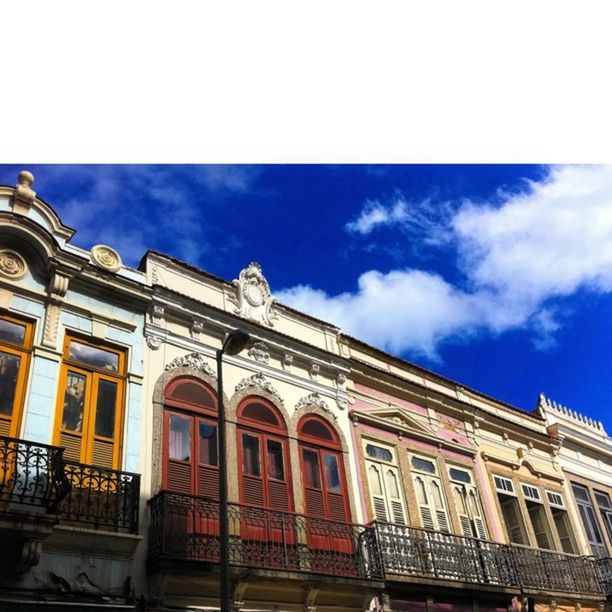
(263, 456)
(190, 438)
(322, 470)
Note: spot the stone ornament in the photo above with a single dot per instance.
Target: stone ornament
(258, 381)
(106, 257)
(253, 299)
(192, 360)
(314, 400)
(259, 352)
(287, 362)
(12, 265)
(342, 402)
(154, 342)
(24, 195)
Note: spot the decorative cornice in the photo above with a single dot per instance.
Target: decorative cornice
(192, 360)
(258, 381)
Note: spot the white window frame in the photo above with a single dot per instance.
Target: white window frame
(555, 504)
(502, 490)
(528, 490)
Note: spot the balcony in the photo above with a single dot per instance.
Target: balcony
(101, 498)
(186, 528)
(410, 551)
(604, 570)
(31, 476)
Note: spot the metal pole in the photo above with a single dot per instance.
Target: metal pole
(224, 581)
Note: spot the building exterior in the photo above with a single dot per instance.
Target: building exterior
(71, 352)
(357, 481)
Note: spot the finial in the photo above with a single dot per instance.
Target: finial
(25, 178)
(23, 196)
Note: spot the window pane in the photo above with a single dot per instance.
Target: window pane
(275, 460)
(258, 412)
(9, 368)
(392, 488)
(379, 453)
(193, 393)
(179, 442)
(311, 467)
(12, 332)
(250, 455)
(423, 465)
(105, 408)
(375, 480)
(208, 443)
(332, 475)
(460, 475)
(74, 401)
(93, 356)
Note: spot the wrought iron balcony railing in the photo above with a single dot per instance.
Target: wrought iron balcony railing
(101, 498)
(604, 571)
(547, 570)
(32, 474)
(186, 528)
(420, 552)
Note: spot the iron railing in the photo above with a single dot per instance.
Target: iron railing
(186, 528)
(432, 554)
(604, 571)
(420, 552)
(548, 570)
(101, 498)
(32, 474)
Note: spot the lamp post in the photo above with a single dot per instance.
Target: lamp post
(235, 341)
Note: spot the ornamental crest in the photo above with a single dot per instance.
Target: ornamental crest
(105, 257)
(12, 265)
(314, 400)
(253, 299)
(259, 352)
(259, 382)
(192, 360)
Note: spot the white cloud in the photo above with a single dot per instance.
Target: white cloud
(375, 214)
(517, 257)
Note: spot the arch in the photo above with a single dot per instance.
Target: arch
(190, 393)
(312, 428)
(322, 415)
(258, 412)
(158, 415)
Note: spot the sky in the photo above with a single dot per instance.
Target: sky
(496, 276)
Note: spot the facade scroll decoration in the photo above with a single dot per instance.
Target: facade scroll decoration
(258, 381)
(253, 299)
(192, 360)
(315, 399)
(259, 352)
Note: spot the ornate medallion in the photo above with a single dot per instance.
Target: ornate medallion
(12, 264)
(106, 257)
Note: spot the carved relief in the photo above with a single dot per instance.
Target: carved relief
(259, 352)
(253, 299)
(23, 196)
(314, 371)
(192, 360)
(157, 314)
(258, 381)
(197, 327)
(12, 265)
(287, 362)
(314, 399)
(106, 257)
(342, 402)
(52, 317)
(154, 342)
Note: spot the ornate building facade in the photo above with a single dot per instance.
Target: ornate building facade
(356, 481)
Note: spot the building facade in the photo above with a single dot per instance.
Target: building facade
(71, 355)
(357, 481)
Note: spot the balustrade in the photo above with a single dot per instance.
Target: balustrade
(185, 527)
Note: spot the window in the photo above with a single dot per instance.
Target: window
(467, 504)
(190, 439)
(15, 348)
(322, 469)
(537, 515)
(605, 508)
(510, 510)
(531, 492)
(429, 495)
(89, 414)
(385, 485)
(587, 515)
(555, 499)
(263, 457)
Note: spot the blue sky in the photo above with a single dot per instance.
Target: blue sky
(499, 277)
